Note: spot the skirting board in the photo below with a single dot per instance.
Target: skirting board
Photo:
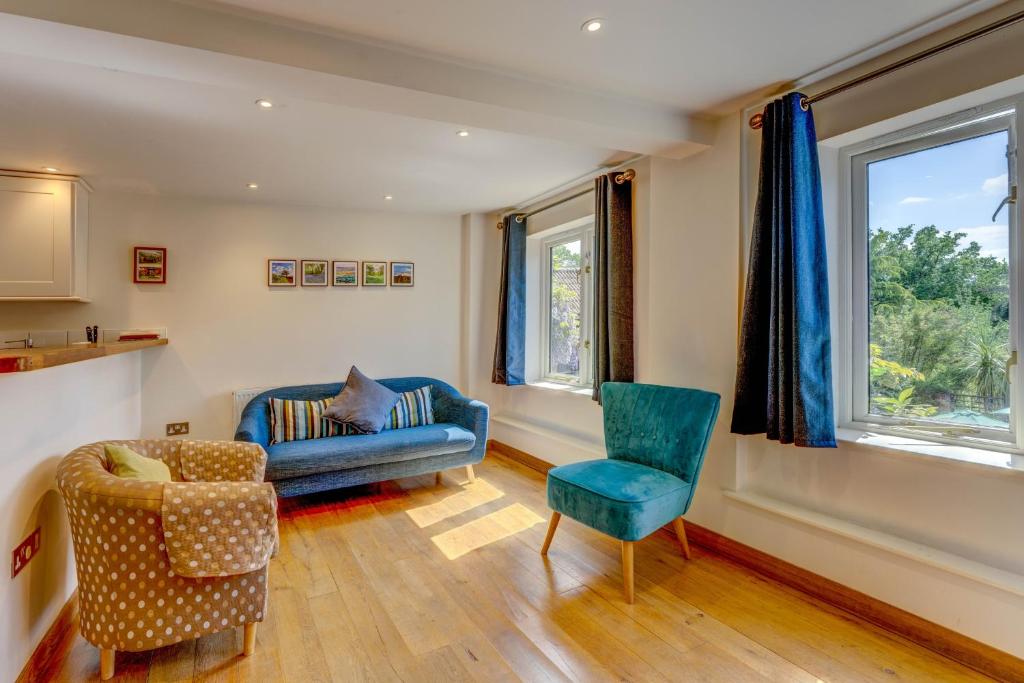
(956, 646)
(55, 643)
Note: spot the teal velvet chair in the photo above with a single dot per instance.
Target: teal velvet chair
(656, 438)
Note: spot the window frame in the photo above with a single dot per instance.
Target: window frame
(852, 404)
(585, 235)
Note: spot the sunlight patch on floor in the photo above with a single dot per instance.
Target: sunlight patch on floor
(472, 495)
(495, 526)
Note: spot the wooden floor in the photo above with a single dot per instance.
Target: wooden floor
(409, 581)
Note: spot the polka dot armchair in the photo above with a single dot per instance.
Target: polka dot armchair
(158, 562)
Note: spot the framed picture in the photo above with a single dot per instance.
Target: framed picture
(345, 273)
(150, 265)
(281, 272)
(375, 273)
(402, 274)
(314, 273)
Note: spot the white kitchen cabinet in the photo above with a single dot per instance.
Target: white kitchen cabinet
(44, 238)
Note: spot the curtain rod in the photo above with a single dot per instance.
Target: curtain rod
(757, 120)
(628, 174)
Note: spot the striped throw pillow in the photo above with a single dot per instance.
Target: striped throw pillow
(299, 420)
(413, 409)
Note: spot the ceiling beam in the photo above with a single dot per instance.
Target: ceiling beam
(271, 59)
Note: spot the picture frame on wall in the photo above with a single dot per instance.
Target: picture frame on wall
(314, 272)
(281, 272)
(403, 274)
(149, 265)
(375, 273)
(345, 273)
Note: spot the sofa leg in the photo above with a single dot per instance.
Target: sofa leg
(555, 517)
(106, 663)
(469, 474)
(250, 639)
(627, 570)
(437, 478)
(677, 524)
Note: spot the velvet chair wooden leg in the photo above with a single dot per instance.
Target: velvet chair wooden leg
(555, 517)
(677, 524)
(469, 474)
(250, 639)
(627, 570)
(106, 663)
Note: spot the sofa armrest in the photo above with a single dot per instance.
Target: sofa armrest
(254, 428)
(214, 461)
(467, 413)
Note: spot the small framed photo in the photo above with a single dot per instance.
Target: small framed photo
(314, 273)
(375, 273)
(345, 273)
(402, 274)
(281, 272)
(150, 265)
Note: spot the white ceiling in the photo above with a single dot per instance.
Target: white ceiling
(692, 54)
(370, 94)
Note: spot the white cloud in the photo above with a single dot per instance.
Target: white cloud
(915, 200)
(993, 239)
(995, 186)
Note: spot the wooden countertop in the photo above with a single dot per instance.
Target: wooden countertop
(24, 360)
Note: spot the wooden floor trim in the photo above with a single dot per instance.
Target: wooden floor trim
(45, 659)
(956, 646)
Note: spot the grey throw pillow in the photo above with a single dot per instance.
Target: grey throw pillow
(363, 404)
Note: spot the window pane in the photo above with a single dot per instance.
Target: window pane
(566, 299)
(939, 284)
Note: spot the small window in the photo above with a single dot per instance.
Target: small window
(567, 292)
(934, 310)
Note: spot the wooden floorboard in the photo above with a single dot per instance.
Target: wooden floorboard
(408, 581)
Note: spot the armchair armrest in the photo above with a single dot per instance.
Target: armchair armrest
(212, 461)
(467, 413)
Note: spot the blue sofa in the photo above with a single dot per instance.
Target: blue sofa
(457, 437)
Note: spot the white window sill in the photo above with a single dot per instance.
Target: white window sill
(990, 460)
(562, 388)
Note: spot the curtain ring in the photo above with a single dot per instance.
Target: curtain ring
(804, 104)
(519, 218)
(628, 174)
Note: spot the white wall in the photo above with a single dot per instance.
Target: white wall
(44, 414)
(690, 260)
(228, 330)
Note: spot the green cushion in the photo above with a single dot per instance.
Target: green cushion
(623, 499)
(128, 464)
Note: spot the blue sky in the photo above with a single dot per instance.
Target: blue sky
(954, 187)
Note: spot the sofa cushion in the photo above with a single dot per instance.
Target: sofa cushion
(623, 499)
(299, 458)
(363, 404)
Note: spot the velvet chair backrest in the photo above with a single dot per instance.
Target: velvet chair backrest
(667, 428)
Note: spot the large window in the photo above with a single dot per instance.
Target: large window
(566, 325)
(934, 261)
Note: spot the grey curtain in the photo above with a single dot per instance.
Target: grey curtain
(784, 370)
(613, 282)
(510, 346)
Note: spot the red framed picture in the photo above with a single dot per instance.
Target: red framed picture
(150, 265)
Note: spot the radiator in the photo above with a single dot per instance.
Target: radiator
(241, 398)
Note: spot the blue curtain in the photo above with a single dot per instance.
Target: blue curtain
(784, 370)
(510, 346)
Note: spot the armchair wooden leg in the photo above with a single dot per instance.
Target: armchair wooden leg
(437, 479)
(627, 570)
(106, 663)
(469, 474)
(555, 516)
(250, 639)
(677, 524)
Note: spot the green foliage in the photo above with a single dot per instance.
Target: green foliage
(939, 320)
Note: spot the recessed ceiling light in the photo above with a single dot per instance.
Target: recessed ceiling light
(463, 133)
(252, 186)
(265, 104)
(51, 169)
(388, 198)
(592, 25)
